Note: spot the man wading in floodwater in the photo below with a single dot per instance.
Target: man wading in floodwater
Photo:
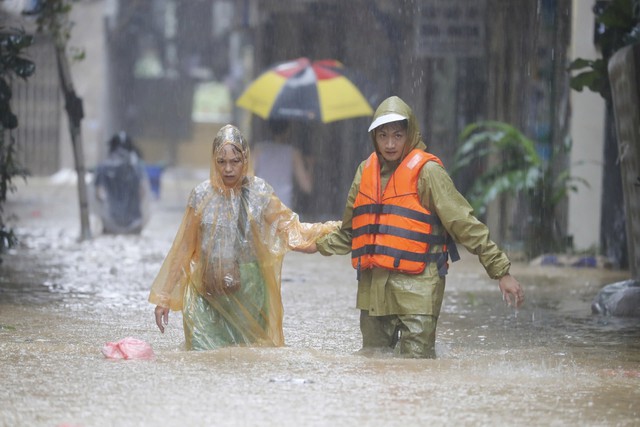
(402, 211)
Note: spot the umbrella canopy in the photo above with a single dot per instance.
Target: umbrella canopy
(305, 90)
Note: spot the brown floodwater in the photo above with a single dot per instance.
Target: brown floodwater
(550, 363)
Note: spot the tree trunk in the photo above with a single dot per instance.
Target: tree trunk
(509, 59)
(613, 235)
(73, 105)
(625, 91)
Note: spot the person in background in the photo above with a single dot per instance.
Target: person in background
(121, 188)
(282, 164)
(402, 216)
(223, 269)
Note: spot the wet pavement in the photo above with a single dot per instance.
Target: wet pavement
(550, 363)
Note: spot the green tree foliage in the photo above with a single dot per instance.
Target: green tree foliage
(13, 63)
(53, 17)
(514, 167)
(618, 23)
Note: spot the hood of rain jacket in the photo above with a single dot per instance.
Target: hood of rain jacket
(392, 107)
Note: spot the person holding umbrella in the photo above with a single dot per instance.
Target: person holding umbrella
(223, 269)
(305, 90)
(282, 164)
(402, 216)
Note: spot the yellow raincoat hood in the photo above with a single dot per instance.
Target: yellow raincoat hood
(228, 135)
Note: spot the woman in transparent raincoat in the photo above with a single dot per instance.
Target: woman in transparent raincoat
(223, 269)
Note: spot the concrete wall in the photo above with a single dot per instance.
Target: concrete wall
(587, 132)
(88, 78)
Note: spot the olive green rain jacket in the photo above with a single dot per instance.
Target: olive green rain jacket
(383, 292)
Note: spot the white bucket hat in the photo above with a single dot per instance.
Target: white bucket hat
(386, 118)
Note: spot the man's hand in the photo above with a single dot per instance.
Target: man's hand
(511, 289)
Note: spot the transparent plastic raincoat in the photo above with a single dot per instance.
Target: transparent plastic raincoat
(223, 269)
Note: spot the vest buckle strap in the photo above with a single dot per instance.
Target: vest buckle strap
(452, 249)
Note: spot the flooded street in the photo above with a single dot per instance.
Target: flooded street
(552, 363)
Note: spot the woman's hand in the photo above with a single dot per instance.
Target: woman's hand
(162, 317)
(308, 249)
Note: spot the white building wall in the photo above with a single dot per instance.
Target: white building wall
(587, 132)
(88, 77)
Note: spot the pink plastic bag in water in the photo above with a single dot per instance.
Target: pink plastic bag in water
(128, 348)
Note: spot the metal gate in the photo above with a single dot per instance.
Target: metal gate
(37, 103)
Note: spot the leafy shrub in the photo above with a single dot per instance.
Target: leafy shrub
(13, 64)
(514, 166)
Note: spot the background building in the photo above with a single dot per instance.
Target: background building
(168, 72)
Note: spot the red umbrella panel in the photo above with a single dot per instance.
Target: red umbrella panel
(305, 90)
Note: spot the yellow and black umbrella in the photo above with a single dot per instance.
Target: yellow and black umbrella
(305, 90)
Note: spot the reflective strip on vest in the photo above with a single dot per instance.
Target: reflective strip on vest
(379, 209)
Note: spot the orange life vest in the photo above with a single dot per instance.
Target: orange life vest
(392, 229)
